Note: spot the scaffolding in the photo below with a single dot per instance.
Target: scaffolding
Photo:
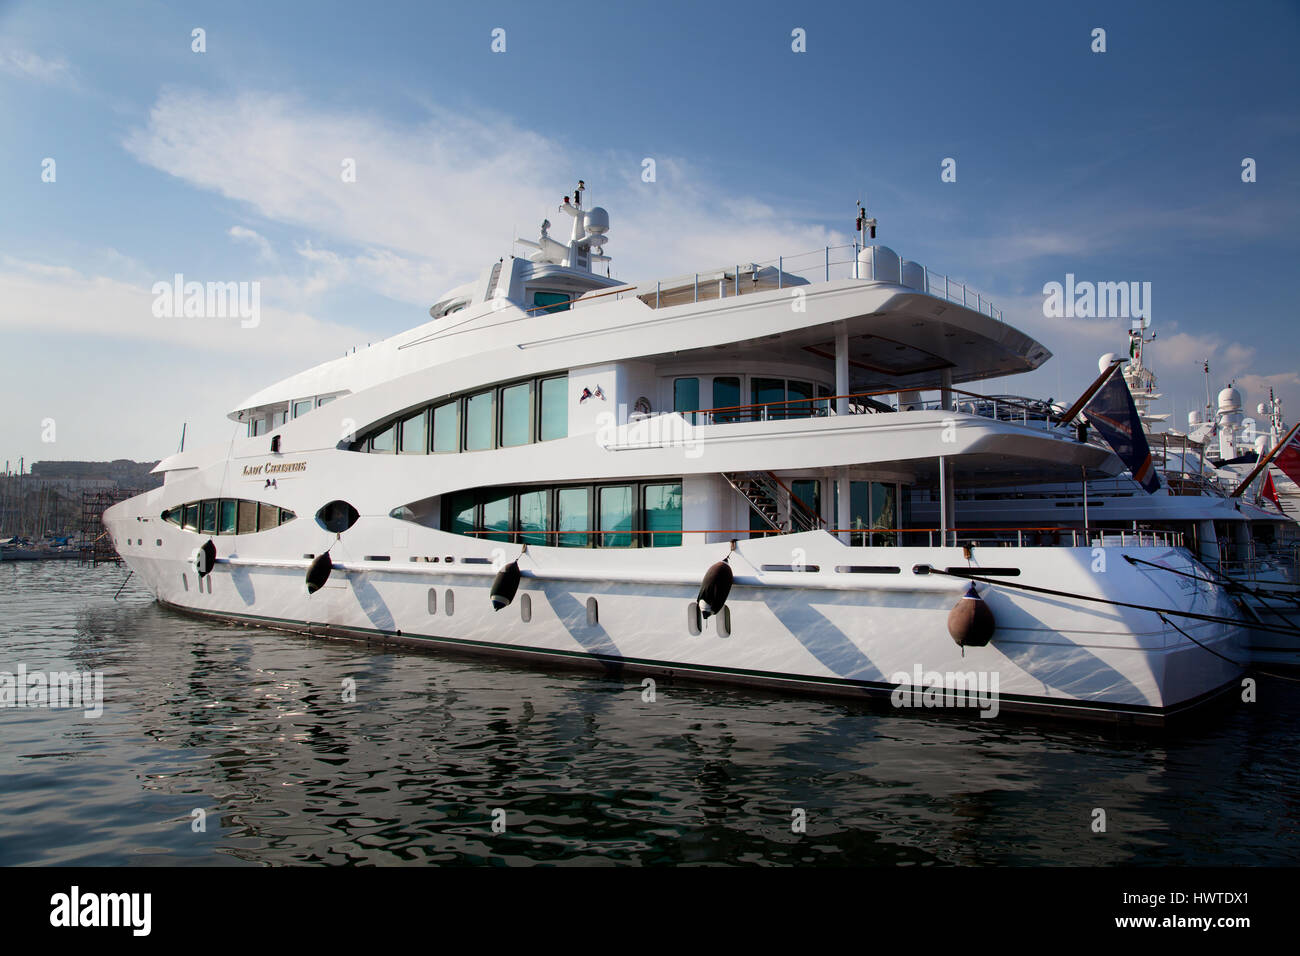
(96, 544)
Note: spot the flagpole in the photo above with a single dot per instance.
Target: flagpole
(1069, 415)
(1263, 462)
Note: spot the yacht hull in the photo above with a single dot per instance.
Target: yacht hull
(830, 629)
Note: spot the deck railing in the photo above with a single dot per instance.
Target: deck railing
(1005, 408)
(818, 265)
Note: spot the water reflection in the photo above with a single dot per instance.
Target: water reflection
(250, 725)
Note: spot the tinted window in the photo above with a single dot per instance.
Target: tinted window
(301, 408)
(247, 522)
(555, 408)
(616, 516)
(686, 395)
(414, 440)
(496, 518)
(663, 514)
(768, 390)
(534, 516)
(794, 390)
(478, 421)
(462, 512)
(208, 517)
(517, 415)
(192, 517)
(226, 519)
(726, 394)
(555, 302)
(446, 427)
(268, 516)
(385, 441)
(573, 515)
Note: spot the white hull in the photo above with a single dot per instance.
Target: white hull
(824, 631)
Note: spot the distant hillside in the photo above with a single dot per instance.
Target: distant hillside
(122, 472)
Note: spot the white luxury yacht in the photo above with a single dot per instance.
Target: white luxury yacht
(670, 478)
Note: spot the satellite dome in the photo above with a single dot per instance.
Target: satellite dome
(1104, 362)
(1261, 409)
(1230, 400)
(597, 220)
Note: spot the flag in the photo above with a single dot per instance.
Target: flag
(1111, 411)
(1288, 459)
(1270, 490)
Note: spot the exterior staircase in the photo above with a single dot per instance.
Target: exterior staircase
(771, 499)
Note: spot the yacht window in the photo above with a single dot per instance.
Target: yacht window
(478, 421)
(616, 515)
(192, 517)
(796, 390)
(809, 491)
(573, 516)
(726, 394)
(496, 517)
(446, 427)
(663, 514)
(555, 408)
(516, 414)
(534, 516)
(325, 401)
(385, 442)
(268, 517)
(462, 513)
(208, 517)
(686, 395)
(258, 426)
(414, 441)
(302, 408)
(768, 390)
(173, 515)
(554, 302)
(226, 516)
(246, 522)
(279, 418)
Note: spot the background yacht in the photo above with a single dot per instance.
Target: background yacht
(567, 468)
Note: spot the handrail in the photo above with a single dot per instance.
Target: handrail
(1091, 535)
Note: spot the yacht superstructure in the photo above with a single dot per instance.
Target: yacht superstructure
(672, 478)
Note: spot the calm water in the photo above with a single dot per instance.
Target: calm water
(248, 725)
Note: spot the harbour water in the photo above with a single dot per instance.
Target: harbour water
(250, 726)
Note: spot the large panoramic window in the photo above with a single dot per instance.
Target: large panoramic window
(686, 395)
(553, 302)
(642, 514)
(768, 390)
(809, 492)
(555, 408)
(506, 416)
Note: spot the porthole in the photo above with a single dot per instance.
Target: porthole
(593, 612)
(449, 603)
(433, 600)
(337, 516)
(525, 608)
(693, 618)
(724, 622)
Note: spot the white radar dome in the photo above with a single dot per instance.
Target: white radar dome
(1103, 363)
(1230, 400)
(597, 220)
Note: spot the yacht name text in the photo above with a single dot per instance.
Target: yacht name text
(274, 468)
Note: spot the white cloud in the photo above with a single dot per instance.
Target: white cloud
(255, 239)
(31, 66)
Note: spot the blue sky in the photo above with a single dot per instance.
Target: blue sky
(224, 166)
